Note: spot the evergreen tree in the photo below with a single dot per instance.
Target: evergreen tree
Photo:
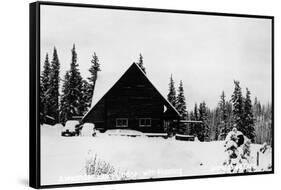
(248, 129)
(217, 123)
(203, 116)
(44, 90)
(229, 115)
(65, 101)
(196, 114)
(223, 116)
(180, 102)
(87, 94)
(73, 103)
(94, 69)
(140, 63)
(237, 101)
(172, 92)
(54, 86)
(77, 105)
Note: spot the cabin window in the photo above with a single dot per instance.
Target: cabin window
(121, 122)
(145, 122)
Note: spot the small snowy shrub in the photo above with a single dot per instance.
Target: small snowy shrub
(101, 168)
(94, 166)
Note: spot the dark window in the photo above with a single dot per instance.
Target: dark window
(121, 122)
(145, 122)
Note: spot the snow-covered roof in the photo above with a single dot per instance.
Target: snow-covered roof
(100, 92)
(190, 121)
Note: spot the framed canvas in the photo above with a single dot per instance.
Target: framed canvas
(129, 94)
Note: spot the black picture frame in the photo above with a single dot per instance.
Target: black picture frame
(34, 130)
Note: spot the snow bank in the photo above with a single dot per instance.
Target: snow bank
(51, 130)
(63, 160)
(87, 129)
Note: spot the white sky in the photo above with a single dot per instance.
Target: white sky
(206, 52)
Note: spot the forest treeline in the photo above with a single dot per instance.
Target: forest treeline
(251, 118)
(62, 99)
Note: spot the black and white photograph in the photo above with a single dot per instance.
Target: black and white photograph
(143, 94)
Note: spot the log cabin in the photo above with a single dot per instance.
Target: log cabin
(132, 102)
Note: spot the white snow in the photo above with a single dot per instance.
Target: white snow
(70, 125)
(87, 129)
(63, 159)
(124, 132)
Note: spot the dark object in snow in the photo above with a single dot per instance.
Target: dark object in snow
(233, 155)
(68, 133)
(71, 128)
(78, 129)
(240, 140)
(94, 134)
(185, 128)
(185, 137)
(263, 148)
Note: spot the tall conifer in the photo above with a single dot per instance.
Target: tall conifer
(94, 69)
(45, 90)
(54, 87)
(140, 63)
(248, 128)
(180, 102)
(237, 101)
(172, 92)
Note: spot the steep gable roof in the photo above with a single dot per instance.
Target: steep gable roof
(97, 97)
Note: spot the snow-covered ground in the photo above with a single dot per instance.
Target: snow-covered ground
(63, 159)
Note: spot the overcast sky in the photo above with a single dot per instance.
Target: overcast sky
(206, 52)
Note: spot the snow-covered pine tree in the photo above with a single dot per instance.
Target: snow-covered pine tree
(223, 116)
(237, 101)
(87, 93)
(94, 69)
(72, 102)
(172, 92)
(77, 105)
(45, 86)
(249, 129)
(180, 102)
(140, 63)
(54, 86)
(65, 102)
